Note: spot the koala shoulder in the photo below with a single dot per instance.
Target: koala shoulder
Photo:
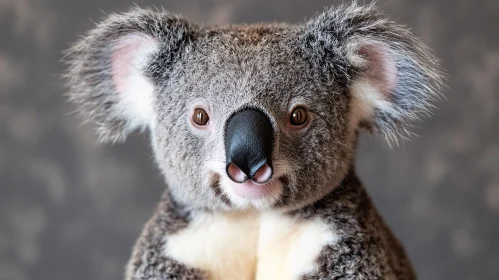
(365, 247)
(148, 260)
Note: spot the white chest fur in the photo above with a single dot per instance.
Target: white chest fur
(250, 245)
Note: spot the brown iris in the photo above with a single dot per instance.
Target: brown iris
(299, 116)
(200, 117)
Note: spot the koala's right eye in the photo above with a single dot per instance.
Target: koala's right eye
(200, 117)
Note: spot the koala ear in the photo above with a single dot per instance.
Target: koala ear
(112, 69)
(392, 76)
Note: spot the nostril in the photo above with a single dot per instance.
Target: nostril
(235, 174)
(263, 174)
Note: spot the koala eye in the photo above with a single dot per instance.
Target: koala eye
(299, 116)
(200, 117)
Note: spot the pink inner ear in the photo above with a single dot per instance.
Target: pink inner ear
(381, 67)
(123, 58)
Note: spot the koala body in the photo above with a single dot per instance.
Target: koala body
(255, 128)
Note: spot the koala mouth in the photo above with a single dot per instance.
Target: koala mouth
(241, 195)
(251, 190)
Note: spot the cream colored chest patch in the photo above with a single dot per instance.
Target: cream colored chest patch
(250, 245)
(224, 245)
(288, 247)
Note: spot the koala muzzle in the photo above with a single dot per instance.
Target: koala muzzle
(249, 140)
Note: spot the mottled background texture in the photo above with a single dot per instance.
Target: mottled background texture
(71, 209)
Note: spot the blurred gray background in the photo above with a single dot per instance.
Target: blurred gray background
(70, 209)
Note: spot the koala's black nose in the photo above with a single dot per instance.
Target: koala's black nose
(249, 140)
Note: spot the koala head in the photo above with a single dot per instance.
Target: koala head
(263, 115)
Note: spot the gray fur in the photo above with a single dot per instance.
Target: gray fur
(368, 249)
(270, 67)
(89, 71)
(419, 74)
(147, 261)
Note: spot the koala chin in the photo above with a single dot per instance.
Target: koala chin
(255, 129)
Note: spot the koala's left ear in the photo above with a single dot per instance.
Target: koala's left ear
(111, 70)
(392, 76)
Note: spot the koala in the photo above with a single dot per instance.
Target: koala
(255, 130)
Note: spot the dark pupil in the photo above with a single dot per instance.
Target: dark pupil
(298, 116)
(200, 117)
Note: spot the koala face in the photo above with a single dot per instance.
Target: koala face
(231, 71)
(263, 116)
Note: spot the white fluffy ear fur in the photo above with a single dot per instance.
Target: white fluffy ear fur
(110, 69)
(393, 77)
(130, 56)
(375, 86)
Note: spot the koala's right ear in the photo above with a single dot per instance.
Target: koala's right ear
(111, 70)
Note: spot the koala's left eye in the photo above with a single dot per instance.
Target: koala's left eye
(200, 117)
(299, 116)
